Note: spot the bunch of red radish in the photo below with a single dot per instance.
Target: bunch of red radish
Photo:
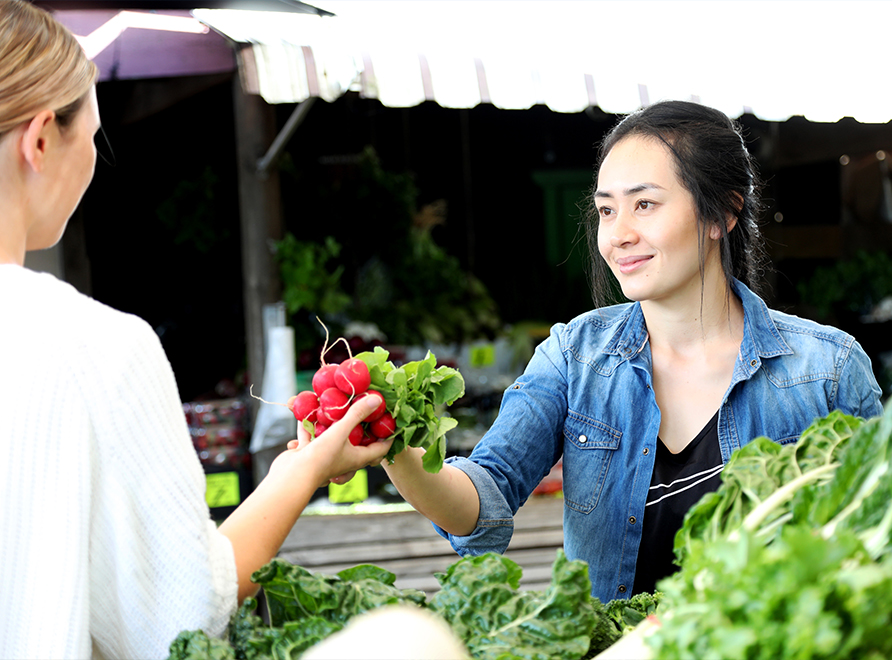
(335, 388)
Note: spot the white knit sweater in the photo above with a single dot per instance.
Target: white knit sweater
(107, 549)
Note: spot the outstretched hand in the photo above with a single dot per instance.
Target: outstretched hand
(333, 458)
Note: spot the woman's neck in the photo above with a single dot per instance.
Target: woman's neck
(13, 201)
(713, 314)
(12, 237)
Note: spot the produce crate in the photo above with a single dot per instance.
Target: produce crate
(219, 430)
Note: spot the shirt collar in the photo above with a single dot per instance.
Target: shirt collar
(761, 338)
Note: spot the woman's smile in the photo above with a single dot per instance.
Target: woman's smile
(630, 264)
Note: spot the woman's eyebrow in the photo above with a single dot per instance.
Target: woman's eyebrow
(633, 190)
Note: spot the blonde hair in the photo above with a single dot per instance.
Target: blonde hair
(42, 66)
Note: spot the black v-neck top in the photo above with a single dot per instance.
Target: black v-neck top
(678, 482)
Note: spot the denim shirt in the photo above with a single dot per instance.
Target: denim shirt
(587, 396)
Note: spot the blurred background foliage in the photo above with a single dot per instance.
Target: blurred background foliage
(363, 252)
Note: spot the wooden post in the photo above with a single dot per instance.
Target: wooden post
(260, 207)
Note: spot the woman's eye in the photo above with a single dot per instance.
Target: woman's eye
(604, 211)
(645, 205)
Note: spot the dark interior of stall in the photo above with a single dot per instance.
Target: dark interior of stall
(437, 206)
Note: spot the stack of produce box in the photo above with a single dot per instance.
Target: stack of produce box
(219, 431)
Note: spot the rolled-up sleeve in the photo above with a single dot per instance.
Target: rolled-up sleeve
(858, 392)
(495, 526)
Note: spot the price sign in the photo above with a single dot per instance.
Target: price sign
(222, 489)
(355, 490)
(483, 355)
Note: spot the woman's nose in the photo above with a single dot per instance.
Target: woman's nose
(623, 232)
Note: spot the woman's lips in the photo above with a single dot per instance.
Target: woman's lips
(630, 264)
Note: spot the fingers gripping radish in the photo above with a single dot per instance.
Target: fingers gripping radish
(382, 405)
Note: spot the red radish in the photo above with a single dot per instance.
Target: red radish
(304, 406)
(384, 427)
(319, 428)
(382, 406)
(367, 440)
(333, 403)
(323, 418)
(352, 376)
(356, 435)
(323, 379)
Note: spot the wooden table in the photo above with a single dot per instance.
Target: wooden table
(406, 544)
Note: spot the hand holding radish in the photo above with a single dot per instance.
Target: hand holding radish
(408, 400)
(333, 456)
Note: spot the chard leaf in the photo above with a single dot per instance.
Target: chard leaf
(756, 472)
(368, 572)
(866, 449)
(196, 645)
(479, 599)
(802, 596)
(294, 593)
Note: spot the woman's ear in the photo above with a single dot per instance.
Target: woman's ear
(715, 232)
(36, 139)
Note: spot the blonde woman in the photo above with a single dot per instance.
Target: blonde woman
(107, 548)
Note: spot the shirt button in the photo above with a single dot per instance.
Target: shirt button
(646, 451)
(632, 520)
(582, 438)
(753, 363)
(622, 589)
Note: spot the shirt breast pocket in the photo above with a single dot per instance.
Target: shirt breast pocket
(589, 447)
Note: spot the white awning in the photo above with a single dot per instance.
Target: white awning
(823, 59)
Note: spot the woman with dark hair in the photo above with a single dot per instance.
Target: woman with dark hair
(645, 401)
(107, 547)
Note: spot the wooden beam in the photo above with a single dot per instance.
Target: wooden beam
(260, 208)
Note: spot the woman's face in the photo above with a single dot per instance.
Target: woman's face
(647, 230)
(67, 174)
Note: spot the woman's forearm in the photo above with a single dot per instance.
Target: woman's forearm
(259, 526)
(447, 498)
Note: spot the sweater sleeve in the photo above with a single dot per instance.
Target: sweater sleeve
(158, 565)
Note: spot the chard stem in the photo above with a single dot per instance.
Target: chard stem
(867, 487)
(755, 517)
(878, 538)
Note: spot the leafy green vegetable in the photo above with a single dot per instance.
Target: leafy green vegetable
(198, 646)
(801, 571)
(480, 600)
(758, 471)
(802, 596)
(293, 593)
(626, 613)
(414, 393)
(308, 283)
